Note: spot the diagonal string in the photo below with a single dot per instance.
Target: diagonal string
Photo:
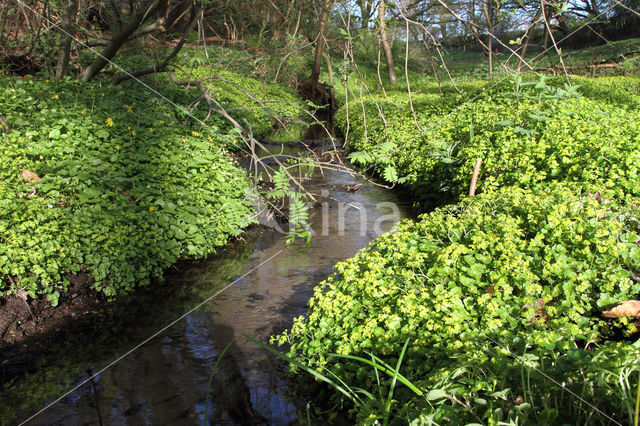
(148, 339)
(545, 375)
(202, 123)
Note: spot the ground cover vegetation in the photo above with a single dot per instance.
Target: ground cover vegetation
(120, 189)
(487, 309)
(483, 311)
(487, 292)
(499, 297)
(526, 130)
(111, 178)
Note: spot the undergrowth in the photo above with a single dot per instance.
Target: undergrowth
(126, 190)
(488, 292)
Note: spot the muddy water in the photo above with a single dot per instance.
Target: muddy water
(165, 381)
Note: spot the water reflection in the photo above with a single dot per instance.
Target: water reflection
(166, 380)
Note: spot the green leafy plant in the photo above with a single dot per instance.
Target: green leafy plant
(527, 270)
(526, 132)
(126, 190)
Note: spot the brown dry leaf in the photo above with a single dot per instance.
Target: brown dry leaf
(540, 310)
(628, 308)
(20, 293)
(30, 176)
(596, 197)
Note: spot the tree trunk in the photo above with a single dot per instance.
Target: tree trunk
(317, 60)
(65, 40)
(365, 12)
(386, 46)
(527, 38)
(488, 14)
(119, 39)
(162, 66)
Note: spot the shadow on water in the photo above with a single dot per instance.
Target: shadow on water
(165, 380)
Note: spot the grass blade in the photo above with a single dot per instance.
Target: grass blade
(215, 367)
(390, 372)
(387, 407)
(311, 371)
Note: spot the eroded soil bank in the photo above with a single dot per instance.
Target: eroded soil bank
(22, 318)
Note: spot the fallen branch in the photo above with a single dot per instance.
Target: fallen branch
(474, 178)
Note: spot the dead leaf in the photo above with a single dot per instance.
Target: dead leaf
(30, 176)
(598, 197)
(540, 310)
(628, 308)
(490, 290)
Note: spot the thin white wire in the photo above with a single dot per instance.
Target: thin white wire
(186, 111)
(163, 329)
(154, 91)
(542, 373)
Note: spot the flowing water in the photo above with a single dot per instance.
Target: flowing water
(165, 381)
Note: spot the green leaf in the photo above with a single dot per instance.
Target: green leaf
(435, 394)
(390, 174)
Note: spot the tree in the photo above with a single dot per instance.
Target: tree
(366, 12)
(147, 11)
(64, 51)
(320, 41)
(384, 41)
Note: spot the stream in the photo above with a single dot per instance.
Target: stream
(263, 285)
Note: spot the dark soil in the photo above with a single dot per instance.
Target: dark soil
(20, 319)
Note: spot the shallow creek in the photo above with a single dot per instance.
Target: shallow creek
(165, 381)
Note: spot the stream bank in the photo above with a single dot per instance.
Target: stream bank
(166, 379)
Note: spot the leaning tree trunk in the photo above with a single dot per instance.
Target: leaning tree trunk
(119, 39)
(386, 46)
(65, 40)
(488, 14)
(526, 39)
(317, 60)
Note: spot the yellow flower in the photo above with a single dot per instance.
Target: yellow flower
(151, 129)
(129, 109)
(151, 208)
(194, 133)
(117, 146)
(209, 137)
(109, 122)
(133, 132)
(161, 121)
(55, 96)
